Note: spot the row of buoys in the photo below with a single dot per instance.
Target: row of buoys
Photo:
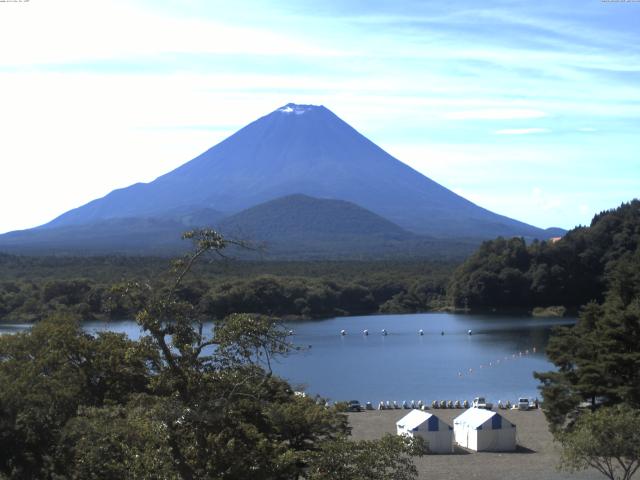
(384, 332)
(498, 361)
(365, 332)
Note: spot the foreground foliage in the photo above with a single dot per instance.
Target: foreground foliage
(592, 401)
(367, 460)
(46, 375)
(607, 440)
(182, 403)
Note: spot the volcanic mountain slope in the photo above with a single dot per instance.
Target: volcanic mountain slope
(127, 235)
(303, 149)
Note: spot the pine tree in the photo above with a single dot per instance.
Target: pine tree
(598, 360)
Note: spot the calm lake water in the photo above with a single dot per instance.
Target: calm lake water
(497, 361)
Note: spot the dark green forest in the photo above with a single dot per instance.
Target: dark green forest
(33, 287)
(508, 273)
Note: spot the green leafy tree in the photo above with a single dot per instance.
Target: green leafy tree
(386, 459)
(117, 442)
(46, 374)
(607, 440)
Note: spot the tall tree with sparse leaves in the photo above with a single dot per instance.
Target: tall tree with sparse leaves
(185, 402)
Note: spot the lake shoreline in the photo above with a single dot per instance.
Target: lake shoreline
(536, 312)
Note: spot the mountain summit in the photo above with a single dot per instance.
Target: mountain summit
(303, 149)
(297, 109)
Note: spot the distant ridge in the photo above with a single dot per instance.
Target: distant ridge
(287, 228)
(296, 149)
(305, 227)
(302, 227)
(300, 217)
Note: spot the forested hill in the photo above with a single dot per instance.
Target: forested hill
(508, 273)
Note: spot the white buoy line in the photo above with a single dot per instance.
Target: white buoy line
(499, 361)
(384, 332)
(470, 370)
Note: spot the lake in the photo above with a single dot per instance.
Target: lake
(496, 361)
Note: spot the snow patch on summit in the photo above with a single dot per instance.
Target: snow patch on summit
(295, 109)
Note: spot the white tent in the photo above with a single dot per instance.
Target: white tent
(483, 430)
(438, 434)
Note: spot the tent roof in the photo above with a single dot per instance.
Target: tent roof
(474, 417)
(413, 419)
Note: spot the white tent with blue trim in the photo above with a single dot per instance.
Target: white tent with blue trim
(438, 434)
(484, 431)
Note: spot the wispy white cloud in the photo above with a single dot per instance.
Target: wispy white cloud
(521, 131)
(544, 200)
(584, 209)
(496, 114)
(90, 30)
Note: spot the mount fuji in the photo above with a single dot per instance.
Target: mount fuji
(303, 151)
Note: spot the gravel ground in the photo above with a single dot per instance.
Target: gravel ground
(535, 459)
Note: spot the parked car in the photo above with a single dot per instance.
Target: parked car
(523, 403)
(354, 406)
(480, 402)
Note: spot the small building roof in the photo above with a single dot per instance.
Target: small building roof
(474, 417)
(413, 419)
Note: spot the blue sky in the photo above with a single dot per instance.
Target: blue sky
(530, 109)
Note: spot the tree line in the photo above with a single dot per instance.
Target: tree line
(303, 290)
